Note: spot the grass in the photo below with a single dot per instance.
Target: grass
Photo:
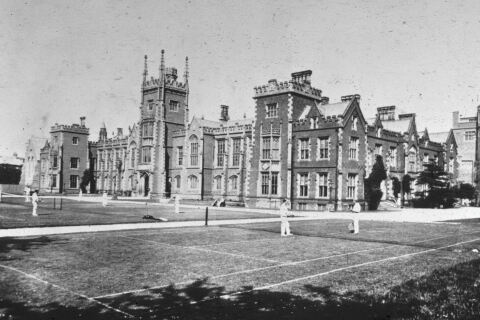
(185, 273)
(73, 213)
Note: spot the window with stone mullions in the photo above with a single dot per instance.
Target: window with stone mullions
(173, 106)
(351, 185)
(323, 185)
(304, 149)
(265, 183)
(272, 110)
(74, 163)
(323, 148)
(180, 155)
(236, 152)
(353, 148)
(220, 152)
(148, 129)
(303, 185)
(194, 153)
(266, 151)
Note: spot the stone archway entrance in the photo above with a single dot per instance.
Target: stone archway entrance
(144, 185)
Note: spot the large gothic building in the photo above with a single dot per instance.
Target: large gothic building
(298, 145)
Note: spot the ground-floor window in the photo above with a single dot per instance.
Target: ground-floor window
(269, 183)
(351, 185)
(74, 181)
(302, 206)
(233, 183)
(178, 180)
(322, 207)
(193, 182)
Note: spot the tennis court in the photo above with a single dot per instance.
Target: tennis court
(241, 271)
(15, 212)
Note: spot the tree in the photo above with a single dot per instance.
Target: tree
(10, 174)
(438, 191)
(86, 179)
(396, 186)
(465, 191)
(373, 194)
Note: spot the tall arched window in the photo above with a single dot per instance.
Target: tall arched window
(193, 150)
(233, 183)
(217, 183)
(178, 182)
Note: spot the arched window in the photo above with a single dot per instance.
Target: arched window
(193, 150)
(193, 182)
(178, 180)
(217, 183)
(233, 183)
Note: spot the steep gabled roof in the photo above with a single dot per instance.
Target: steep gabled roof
(402, 125)
(334, 109)
(439, 136)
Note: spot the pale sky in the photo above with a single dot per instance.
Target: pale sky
(60, 60)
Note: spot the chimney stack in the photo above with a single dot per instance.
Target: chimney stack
(455, 116)
(82, 122)
(224, 113)
(302, 76)
(324, 100)
(350, 97)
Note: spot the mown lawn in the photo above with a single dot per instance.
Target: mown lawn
(73, 213)
(241, 272)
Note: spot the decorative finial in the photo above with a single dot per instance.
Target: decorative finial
(162, 63)
(186, 71)
(145, 70)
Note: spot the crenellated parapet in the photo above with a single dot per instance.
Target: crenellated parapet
(274, 87)
(154, 83)
(76, 128)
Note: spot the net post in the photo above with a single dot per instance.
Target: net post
(206, 216)
(54, 203)
(0, 196)
(61, 202)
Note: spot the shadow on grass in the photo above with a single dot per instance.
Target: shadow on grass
(445, 294)
(9, 244)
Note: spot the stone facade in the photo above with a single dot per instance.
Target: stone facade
(64, 158)
(298, 146)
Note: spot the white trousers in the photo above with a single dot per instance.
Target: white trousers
(35, 206)
(285, 228)
(356, 225)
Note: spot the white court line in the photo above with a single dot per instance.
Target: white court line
(277, 266)
(347, 268)
(205, 250)
(31, 276)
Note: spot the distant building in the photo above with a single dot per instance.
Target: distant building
(31, 167)
(10, 169)
(465, 130)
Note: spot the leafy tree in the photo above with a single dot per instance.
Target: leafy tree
(397, 186)
(86, 179)
(465, 191)
(439, 191)
(10, 174)
(373, 194)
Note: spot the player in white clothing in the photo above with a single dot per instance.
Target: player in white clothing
(285, 225)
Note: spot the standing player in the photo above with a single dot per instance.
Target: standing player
(27, 193)
(285, 225)
(104, 199)
(177, 203)
(356, 210)
(35, 203)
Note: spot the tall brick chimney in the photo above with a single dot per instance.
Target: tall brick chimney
(82, 121)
